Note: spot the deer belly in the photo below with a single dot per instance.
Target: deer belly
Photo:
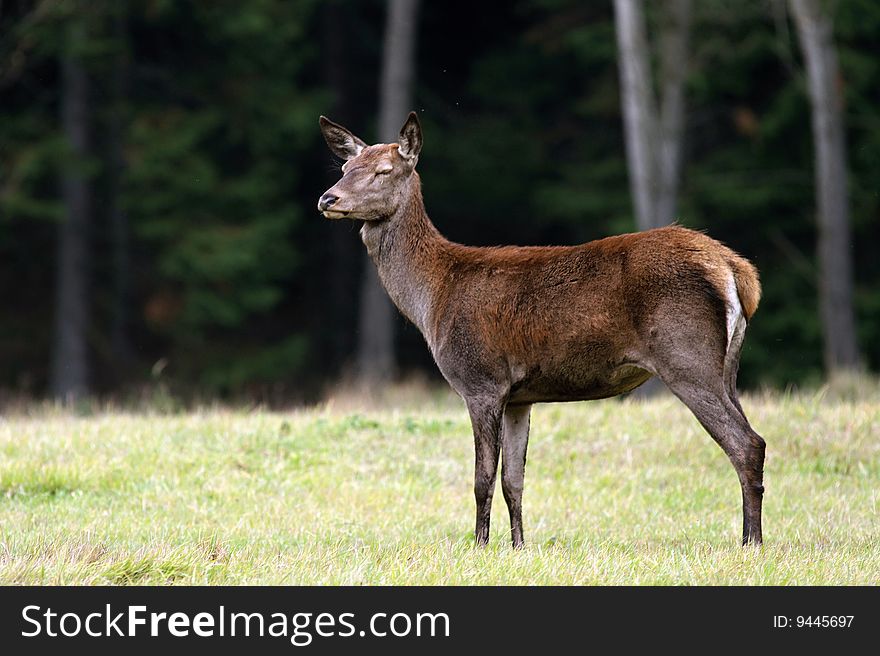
(577, 384)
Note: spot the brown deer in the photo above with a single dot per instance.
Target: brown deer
(516, 325)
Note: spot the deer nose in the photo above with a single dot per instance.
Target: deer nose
(326, 201)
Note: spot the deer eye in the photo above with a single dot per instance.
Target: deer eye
(384, 168)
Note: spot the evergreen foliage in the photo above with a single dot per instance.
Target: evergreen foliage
(223, 163)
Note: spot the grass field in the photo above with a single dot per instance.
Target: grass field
(616, 493)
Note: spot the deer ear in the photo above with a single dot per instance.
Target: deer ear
(410, 139)
(340, 140)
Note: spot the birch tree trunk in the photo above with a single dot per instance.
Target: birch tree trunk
(69, 373)
(653, 138)
(376, 360)
(834, 246)
(674, 37)
(637, 101)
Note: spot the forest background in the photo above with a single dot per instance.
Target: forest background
(160, 162)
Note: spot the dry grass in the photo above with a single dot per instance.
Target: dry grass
(616, 493)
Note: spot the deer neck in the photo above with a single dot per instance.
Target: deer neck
(406, 250)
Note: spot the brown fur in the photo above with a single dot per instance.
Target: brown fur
(747, 284)
(515, 325)
(540, 302)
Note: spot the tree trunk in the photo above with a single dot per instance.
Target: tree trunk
(834, 246)
(639, 113)
(673, 72)
(69, 376)
(653, 140)
(376, 360)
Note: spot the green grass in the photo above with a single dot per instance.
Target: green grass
(616, 493)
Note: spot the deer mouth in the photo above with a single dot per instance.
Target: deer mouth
(335, 214)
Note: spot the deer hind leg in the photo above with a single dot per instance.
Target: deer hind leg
(736, 332)
(753, 489)
(514, 443)
(699, 366)
(486, 421)
(714, 409)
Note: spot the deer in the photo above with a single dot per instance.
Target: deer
(511, 326)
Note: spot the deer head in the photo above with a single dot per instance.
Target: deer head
(375, 179)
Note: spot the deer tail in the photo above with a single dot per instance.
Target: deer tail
(748, 287)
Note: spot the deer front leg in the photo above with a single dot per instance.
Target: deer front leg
(486, 421)
(514, 442)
